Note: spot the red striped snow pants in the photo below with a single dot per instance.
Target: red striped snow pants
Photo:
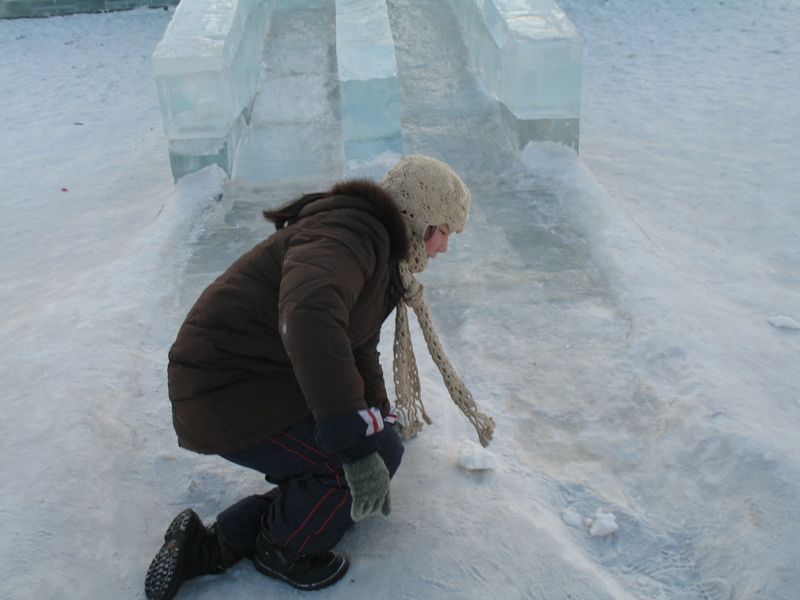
(309, 510)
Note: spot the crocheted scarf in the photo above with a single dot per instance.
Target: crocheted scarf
(406, 376)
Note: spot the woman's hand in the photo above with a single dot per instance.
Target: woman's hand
(368, 479)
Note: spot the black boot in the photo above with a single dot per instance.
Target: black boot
(303, 571)
(190, 549)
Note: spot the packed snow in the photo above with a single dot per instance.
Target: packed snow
(628, 316)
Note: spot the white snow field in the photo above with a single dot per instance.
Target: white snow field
(629, 315)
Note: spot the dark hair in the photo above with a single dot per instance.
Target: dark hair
(288, 212)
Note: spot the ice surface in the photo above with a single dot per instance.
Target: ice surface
(368, 79)
(364, 45)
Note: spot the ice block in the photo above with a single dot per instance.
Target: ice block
(528, 55)
(206, 69)
(367, 79)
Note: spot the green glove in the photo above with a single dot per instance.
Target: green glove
(368, 479)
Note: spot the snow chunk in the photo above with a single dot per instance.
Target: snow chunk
(474, 457)
(602, 524)
(571, 518)
(784, 322)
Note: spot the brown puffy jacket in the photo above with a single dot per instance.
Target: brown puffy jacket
(291, 328)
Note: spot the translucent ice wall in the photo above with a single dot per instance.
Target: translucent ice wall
(528, 55)
(367, 79)
(206, 68)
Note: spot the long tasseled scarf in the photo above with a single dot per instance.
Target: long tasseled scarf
(406, 377)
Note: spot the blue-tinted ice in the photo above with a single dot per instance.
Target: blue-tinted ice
(236, 76)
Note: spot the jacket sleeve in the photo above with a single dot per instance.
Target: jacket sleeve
(322, 278)
(368, 363)
(350, 434)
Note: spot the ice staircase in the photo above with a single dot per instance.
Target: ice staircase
(286, 88)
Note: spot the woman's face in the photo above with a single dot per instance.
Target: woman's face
(436, 239)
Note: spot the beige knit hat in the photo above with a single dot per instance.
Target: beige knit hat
(428, 192)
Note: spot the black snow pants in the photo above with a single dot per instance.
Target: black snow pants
(309, 510)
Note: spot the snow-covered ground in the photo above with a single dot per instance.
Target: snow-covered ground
(628, 317)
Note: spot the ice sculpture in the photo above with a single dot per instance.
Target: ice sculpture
(526, 53)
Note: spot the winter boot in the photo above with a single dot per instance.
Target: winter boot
(190, 549)
(303, 571)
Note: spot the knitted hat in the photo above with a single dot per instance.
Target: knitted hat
(428, 192)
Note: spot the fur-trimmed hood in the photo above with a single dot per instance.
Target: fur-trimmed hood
(379, 202)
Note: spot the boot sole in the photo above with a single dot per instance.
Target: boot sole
(316, 585)
(160, 582)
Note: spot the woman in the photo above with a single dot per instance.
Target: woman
(276, 368)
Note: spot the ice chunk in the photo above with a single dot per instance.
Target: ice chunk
(474, 457)
(571, 518)
(784, 322)
(602, 524)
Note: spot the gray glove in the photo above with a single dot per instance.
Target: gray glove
(368, 479)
